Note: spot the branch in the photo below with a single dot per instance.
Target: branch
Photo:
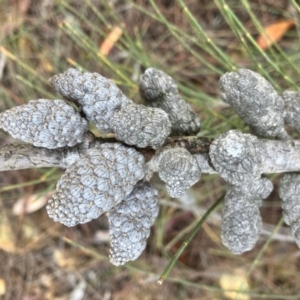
(25, 156)
(278, 156)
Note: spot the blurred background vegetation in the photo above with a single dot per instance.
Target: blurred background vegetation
(195, 41)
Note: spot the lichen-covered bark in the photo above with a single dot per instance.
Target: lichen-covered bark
(25, 156)
(278, 156)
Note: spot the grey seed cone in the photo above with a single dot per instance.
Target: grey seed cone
(130, 222)
(237, 157)
(292, 109)
(98, 96)
(178, 169)
(289, 192)
(240, 230)
(141, 126)
(241, 219)
(95, 183)
(255, 101)
(159, 90)
(45, 123)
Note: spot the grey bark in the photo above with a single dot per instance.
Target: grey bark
(25, 156)
(278, 156)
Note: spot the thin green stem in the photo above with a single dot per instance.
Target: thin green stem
(261, 253)
(178, 237)
(241, 31)
(219, 54)
(260, 28)
(182, 42)
(35, 87)
(296, 5)
(188, 240)
(210, 288)
(264, 248)
(28, 183)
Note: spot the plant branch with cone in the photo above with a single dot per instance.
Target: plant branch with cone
(113, 174)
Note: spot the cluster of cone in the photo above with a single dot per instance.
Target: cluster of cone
(239, 158)
(111, 177)
(108, 178)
